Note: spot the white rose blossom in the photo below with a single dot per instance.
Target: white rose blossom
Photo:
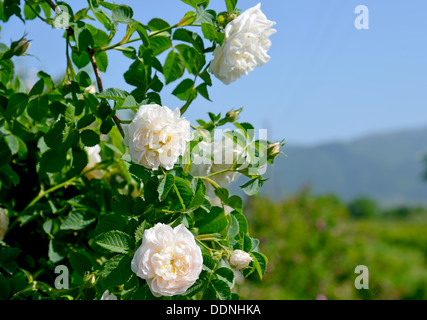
(245, 46)
(218, 156)
(157, 136)
(94, 157)
(4, 223)
(169, 259)
(240, 259)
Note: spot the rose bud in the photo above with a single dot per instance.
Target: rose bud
(240, 259)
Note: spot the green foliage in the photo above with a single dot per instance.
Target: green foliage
(61, 211)
(314, 246)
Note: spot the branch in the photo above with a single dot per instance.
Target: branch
(101, 88)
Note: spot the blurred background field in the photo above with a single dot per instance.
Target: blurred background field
(314, 244)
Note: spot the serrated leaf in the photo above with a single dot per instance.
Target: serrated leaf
(76, 221)
(260, 263)
(117, 270)
(165, 186)
(115, 241)
(226, 275)
(122, 14)
(221, 289)
(213, 222)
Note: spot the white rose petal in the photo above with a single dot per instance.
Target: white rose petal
(4, 223)
(157, 136)
(245, 46)
(240, 259)
(169, 259)
(108, 296)
(94, 157)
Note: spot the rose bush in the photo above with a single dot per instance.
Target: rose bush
(122, 204)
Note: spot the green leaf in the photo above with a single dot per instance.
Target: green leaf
(142, 32)
(204, 15)
(83, 79)
(199, 195)
(122, 204)
(113, 94)
(226, 275)
(209, 32)
(260, 263)
(101, 59)
(30, 14)
(213, 222)
(221, 289)
(53, 161)
(117, 270)
(76, 221)
(252, 187)
(139, 233)
(184, 190)
(80, 59)
(16, 105)
(4, 288)
(231, 5)
(56, 251)
(184, 89)
(157, 24)
(160, 44)
(37, 88)
(174, 67)
(122, 14)
(115, 241)
(203, 90)
(38, 108)
(243, 222)
(90, 138)
(234, 229)
(85, 121)
(165, 186)
(56, 135)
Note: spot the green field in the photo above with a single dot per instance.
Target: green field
(314, 245)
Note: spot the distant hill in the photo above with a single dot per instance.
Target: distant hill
(386, 167)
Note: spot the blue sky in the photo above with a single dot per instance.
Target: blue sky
(326, 80)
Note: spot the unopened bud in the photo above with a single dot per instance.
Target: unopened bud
(20, 47)
(89, 280)
(232, 115)
(240, 259)
(225, 18)
(273, 150)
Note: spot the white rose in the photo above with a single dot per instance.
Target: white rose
(4, 223)
(94, 158)
(240, 259)
(245, 46)
(108, 296)
(169, 259)
(219, 156)
(157, 136)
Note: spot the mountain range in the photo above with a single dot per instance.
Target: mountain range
(385, 167)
